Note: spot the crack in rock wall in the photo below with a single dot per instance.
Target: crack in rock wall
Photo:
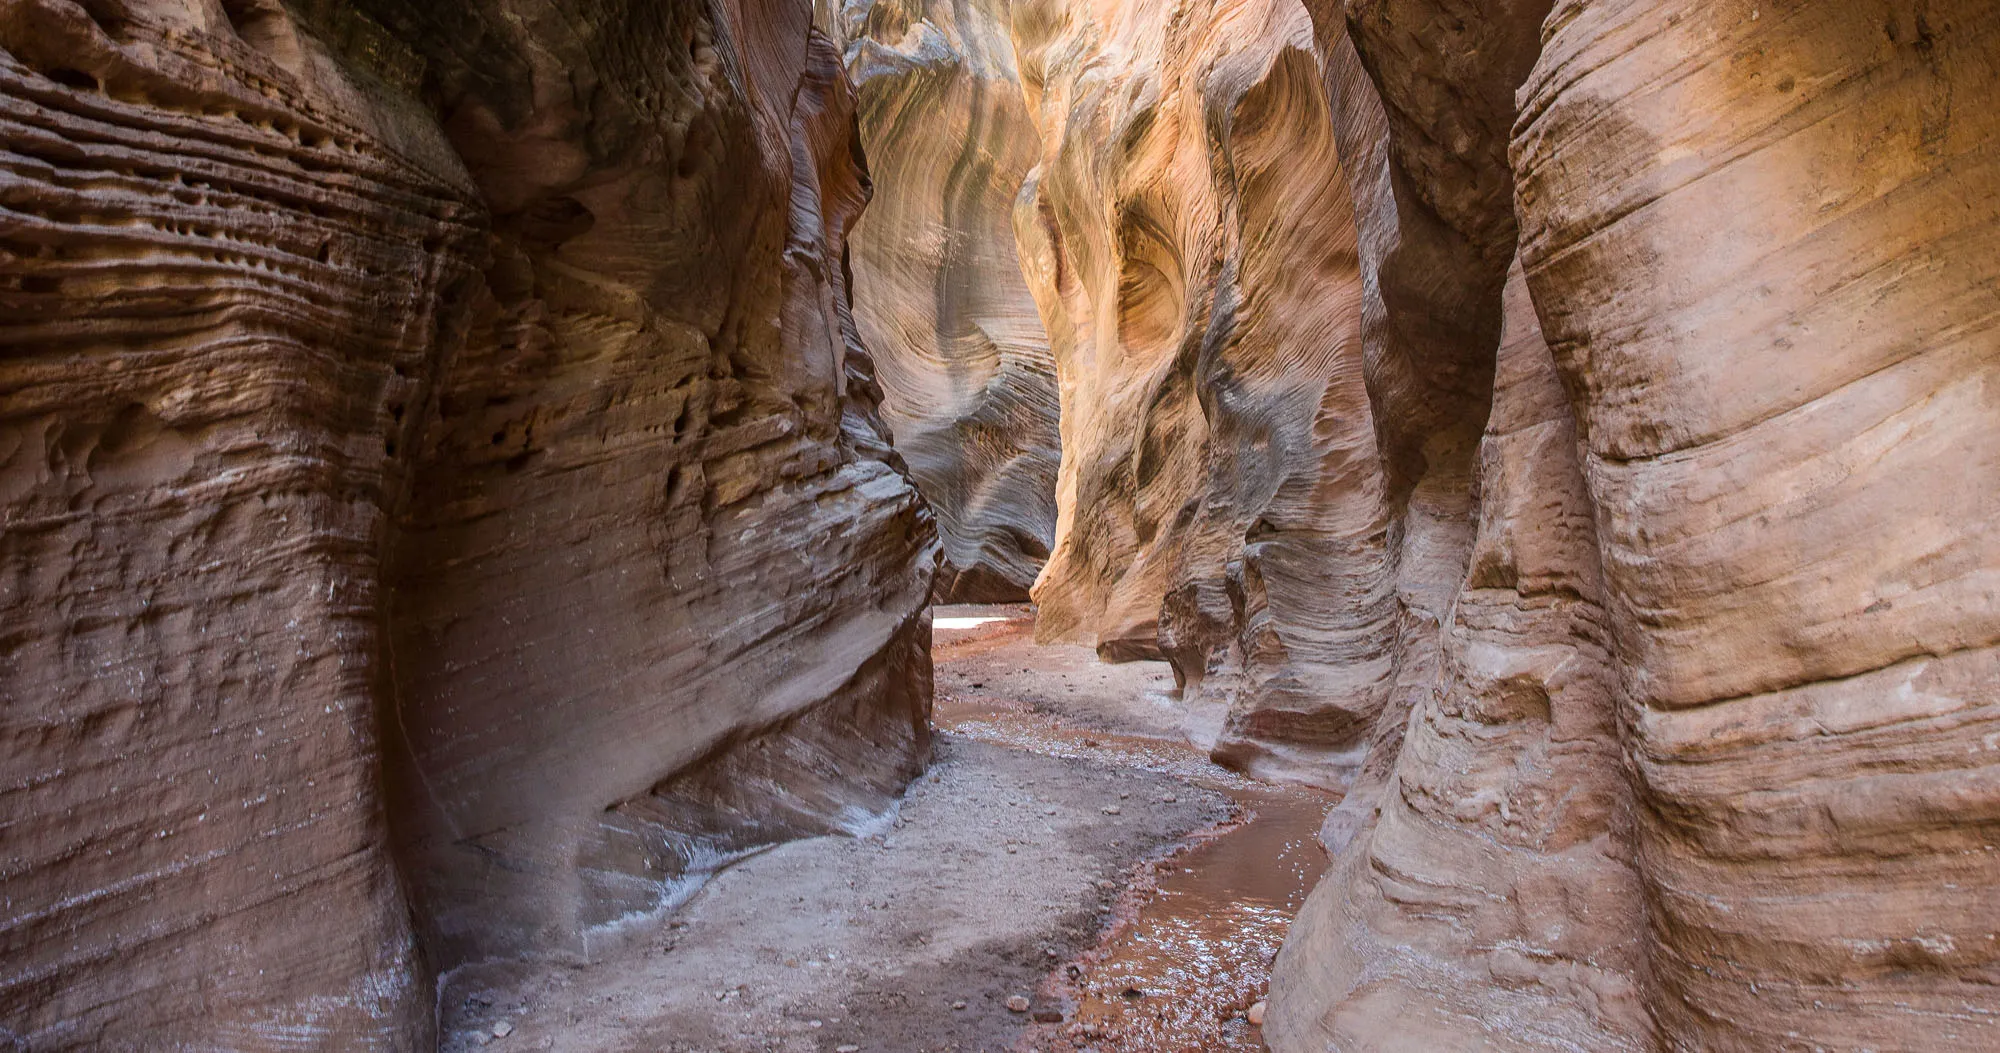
(447, 499)
(444, 496)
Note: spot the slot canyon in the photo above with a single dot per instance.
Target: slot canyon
(1099, 526)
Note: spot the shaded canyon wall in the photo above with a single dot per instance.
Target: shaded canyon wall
(444, 496)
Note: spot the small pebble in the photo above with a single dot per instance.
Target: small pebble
(1112, 810)
(1017, 1004)
(815, 1024)
(958, 1005)
(847, 1049)
(502, 1029)
(1256, 1015)
(1171, 799)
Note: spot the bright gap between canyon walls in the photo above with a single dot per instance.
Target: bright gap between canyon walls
(472, 469)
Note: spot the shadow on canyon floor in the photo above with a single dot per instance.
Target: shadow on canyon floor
(1067, 847)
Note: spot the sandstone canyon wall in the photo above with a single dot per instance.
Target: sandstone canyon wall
(968, 382)
(1705, 765)
(443, 496)
(1569, 427)
(1190, 235)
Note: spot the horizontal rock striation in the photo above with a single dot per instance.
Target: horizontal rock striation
(1791, 448)
(226, 252)
(444, 496)
(654, 519)
(968, 380)
(1702, 766)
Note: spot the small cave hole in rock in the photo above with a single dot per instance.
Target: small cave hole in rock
(73, 78)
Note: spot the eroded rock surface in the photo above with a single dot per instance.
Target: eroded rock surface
(968, 380)
(1792, 445)
(1190, 234)
(1704, 764)
(468, 390)
(446, 500)
(226, 253)
(658, 444)
(1569, 427)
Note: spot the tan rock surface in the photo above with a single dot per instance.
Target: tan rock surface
(611, 476)
(1717, 657)
(1769, 288)
(1190, 236)
(968, 381)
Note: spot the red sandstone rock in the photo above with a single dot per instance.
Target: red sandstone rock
(225, 254)
(552, 374)
(1569, 427)
(654, 523)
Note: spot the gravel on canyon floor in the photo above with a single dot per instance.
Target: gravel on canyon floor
(970, 923)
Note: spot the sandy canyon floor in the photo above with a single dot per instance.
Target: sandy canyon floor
(1067, 847)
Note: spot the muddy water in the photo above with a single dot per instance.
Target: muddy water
(1191, 947)
(1198, 954)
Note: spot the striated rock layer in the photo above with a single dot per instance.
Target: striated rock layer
(654, 522)
(1705, 762)
(461, 399)
(1570, 427)
(968, 382)
(1190, 234)
(226, 254)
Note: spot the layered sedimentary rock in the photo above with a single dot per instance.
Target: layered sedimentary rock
(225, 253)
(1792, 444)
(654, 522)
(1706, 763)
(465, 394)
(968, 381)
(1190, 236)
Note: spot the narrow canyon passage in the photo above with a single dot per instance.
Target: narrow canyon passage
(492, 494)
(1067, 847)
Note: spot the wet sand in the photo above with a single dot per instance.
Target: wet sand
(1067, 847)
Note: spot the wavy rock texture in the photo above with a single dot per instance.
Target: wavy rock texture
(516, 441)
(1705, 764)
(654, 521)
(224, 253)
(968, 381)
(1792, 449)
(1190, 235)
